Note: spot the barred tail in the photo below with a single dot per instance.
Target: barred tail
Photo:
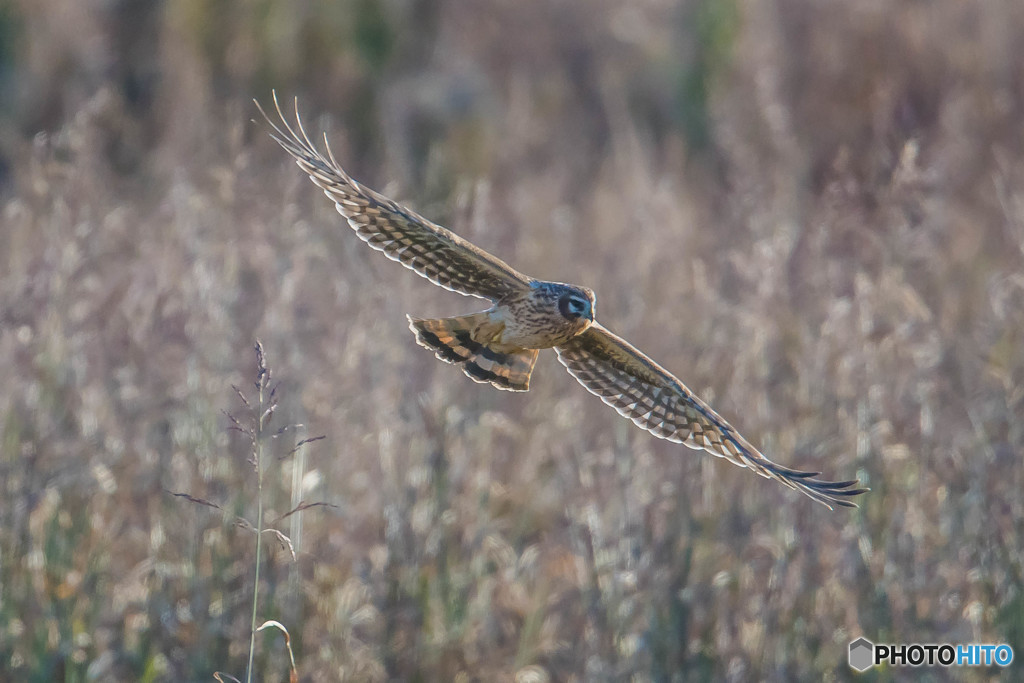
(451, 340)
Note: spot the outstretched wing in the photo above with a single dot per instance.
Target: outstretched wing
(437, 254)
(641, 390)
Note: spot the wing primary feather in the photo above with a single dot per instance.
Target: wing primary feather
(615, 371)
(444, 258)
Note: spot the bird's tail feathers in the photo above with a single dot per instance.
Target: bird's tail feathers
(452, 340)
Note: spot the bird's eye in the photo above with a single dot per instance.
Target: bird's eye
(572, 306)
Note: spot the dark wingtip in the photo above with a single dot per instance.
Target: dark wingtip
(828, 493)
(835, 493)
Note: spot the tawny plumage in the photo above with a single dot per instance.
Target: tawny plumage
(500, 345)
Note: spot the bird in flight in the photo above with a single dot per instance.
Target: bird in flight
(500, 345)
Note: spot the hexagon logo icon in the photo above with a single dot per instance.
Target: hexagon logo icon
(862, 654)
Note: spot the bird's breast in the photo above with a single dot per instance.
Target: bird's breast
(532, 325)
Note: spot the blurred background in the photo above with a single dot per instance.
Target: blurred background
(812, 212)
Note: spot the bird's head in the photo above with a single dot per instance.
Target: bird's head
(576, 303)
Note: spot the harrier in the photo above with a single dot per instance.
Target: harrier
(500, 345)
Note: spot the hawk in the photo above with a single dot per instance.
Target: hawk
(500, 345)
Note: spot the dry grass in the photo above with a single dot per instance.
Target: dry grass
(812, 212)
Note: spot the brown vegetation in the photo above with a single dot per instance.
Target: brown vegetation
(811, 212)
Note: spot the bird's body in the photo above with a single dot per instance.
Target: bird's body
(534, 319)
(500, 345)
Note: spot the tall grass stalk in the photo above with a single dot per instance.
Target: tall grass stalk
(262, 415)
(261, 410)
